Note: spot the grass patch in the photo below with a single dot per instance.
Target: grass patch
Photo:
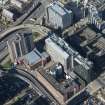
(7, 64)
(35, 35)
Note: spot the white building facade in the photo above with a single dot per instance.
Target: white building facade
(58, 16)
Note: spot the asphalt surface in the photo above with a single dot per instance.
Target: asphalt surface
(37, 14)
(11, 33)
(3, 54)
(35, 84)
(36, 11)
(6, 35)
(35, 4)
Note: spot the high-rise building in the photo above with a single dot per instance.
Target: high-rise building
(61, 52)
(58, 55)
(96, 17)
(20, 45)
(58, 16)
(3, 2)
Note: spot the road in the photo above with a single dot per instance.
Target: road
(3, 45)
(35, 5)
(37, 15)
(23, 18)
(46, 2)
(36, 10)
(28, 77)
(8, 34)
(76, 28)
(3, 54)
(91, 88)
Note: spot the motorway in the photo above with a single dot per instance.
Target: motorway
(26, 76)
(36, 4)
(36, 11)
(30, 78)
(8, 34)
(37, 15)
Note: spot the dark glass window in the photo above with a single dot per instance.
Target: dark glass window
(18, 50)
(28, 43)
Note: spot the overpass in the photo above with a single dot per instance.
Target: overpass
(38, 28)
(8, 35)
(30, 79)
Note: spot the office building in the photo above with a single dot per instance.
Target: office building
(86, 75)
(96, 10)
(20, 5)
(58, 55)
(35, 59)
(17, 3)
(98, 22)
(90, 45)
(60, 89)
(10, 14)
(3, 2)
(20, 45)
(61, 52)
(26, 1)
(58, 16)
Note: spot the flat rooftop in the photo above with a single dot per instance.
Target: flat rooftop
(62, 85)
(99, 4)
(91, 101)
(32, 58)
(90, 44)
(59, 8)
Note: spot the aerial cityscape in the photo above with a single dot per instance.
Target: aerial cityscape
(52, 52)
